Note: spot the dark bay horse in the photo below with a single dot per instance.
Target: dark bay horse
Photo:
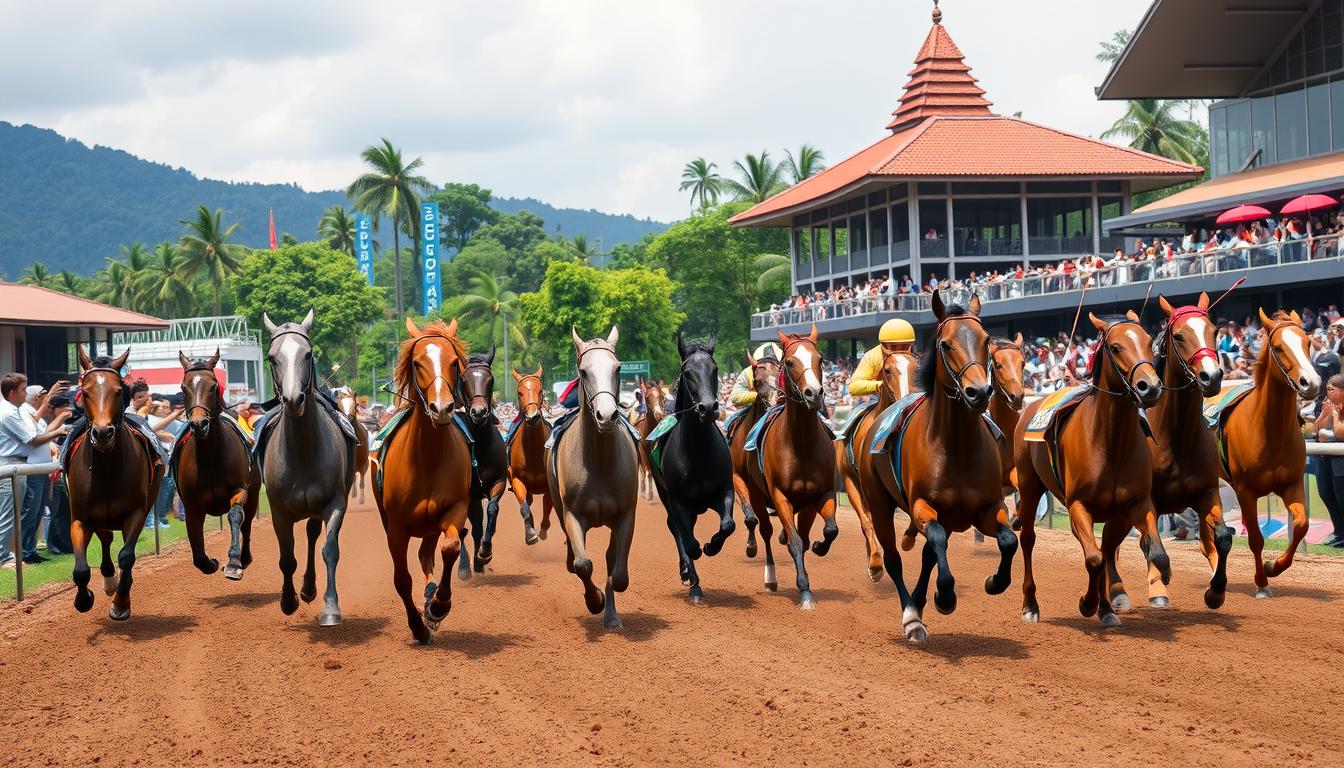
(1262, 439)
(307, 464)
(112, 475)
(695, 472)
(212, 469)
(655, 405)
(798, 454)
(491, 473)
(527, 454)
(1098, 465)
(345, 398)
(426, 464)
(765, 374)
(592, 474)
(943, 467)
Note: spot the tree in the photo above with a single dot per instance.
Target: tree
(69, 282)
(38, 275)
(465, 208)
(774, 273)
(703, 181)
(116, 283)
(582, 250)
(1111, 49)
(758, 178)
(391, 187)
(807, 163)
(337, 229)
(517, 232)
(484, 255)
(1152, 125)
(491, 312)
(161, 287)
(205, 250)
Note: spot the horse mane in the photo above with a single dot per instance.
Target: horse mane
(927, 373)
(404, 375)
(999, 342)
(199, 364)
(103, 361)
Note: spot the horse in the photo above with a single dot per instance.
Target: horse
(490, 473)
(1098, 464)
(1262, 441)
(764, 375)
(591, 472)
(345, 398)
(1007, 374)
(655, 404)
(795, 474)
(113, 475)
(898, 380)
(307, 464)
(212, 469)
(527, 454)
(695, 471)
(941, 464)
(427, 479)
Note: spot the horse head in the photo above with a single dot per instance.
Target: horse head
(1128, 368)
(698, 384)
(531, 394)
(1007, 369)
(898, 373)
(599, 377)
(802, 368)
(103, 394)
(202, 395)
(1189, 339)
(1290, 349)
(764, 374)
(291, 359)
(478, 387)
(429, 368)
(655, 398)
(958, 363)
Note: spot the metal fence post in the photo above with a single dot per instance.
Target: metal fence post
(18, 532)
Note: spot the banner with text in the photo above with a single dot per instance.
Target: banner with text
(364, 245)
(429, 257)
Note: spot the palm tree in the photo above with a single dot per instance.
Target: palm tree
(807, 163)
(69, 282)
(1111, 49)
(760, 178)
(703, 180)
(205, 248)
(390, 188)
(772, 269)
(37, 275)
(162, 285)
(489, 303)
(582, 250)
(337, 229)
(116, 283)
(1152, 125)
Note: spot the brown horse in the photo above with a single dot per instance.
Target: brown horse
(764, 374)
(943, 467)
(1100, 468)
(426, 466)
(212, 469)
(113, 476)
(655, 405)
(898, 380)
(1262, 439)
(796, 474)
(345, 398)
(527, 454)
(1007, 372)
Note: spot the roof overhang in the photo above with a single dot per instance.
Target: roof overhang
(1202, 49)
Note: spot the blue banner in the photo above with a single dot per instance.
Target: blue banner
(364, 245)
(429, 257)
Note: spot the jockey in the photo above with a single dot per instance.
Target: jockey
(896, 335)
(744, 390)
(569, 400)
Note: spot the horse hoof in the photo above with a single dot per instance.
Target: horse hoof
(464, 574)
(430, 622)
(1214, 600)
(1159, 601)
(697, 596)
(329, 619)
(613, 623)
(117, 613)
(1085, 608)
(109, 585)
(479, 565)
(874, 575)
(1031, 615)
(1264, 593)
(246, 559)
(308, 595)
(207, 567)
(1110, 620)
(993, 586)
(233, 572)
(916, 633)
(907, 542)
(423, 636)
(289, 604)
(751, 549)
(595, 602)
(84, 600)
(530, 537)
(820, 548)
(806, 602)
(1120, 602)
(713, 548)
(542, 534)
(945, 603)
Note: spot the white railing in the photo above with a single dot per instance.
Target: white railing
(1225, 260)
(193, 328)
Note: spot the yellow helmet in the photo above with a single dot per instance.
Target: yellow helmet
(896, 330)
(769, 349)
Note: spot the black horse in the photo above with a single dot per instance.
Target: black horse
(692, 468)
(490, 459)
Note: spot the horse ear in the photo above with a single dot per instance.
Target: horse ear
(516, 377)
(1296, 318)
(578, 342)
(267, 324)
(1132, 315)
(751, 361)
(120, 361)
(1203, 302)
(938, 308)
(307, 322)
(681, 346)
(1018, 340)
(1097, 322)
(490, 358)
(812, 334)
(1166, 305)
(538, 373)
(182, 358)
(452, 327)
(974, 306)
(1264, 319)
(411, 329)
(85, 362)
(783, 340)
(713, 342)
(613, 336)
(214, 360)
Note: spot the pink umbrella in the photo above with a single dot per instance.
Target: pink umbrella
(1244, 213)
(1308, 203)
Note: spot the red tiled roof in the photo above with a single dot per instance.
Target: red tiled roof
(31, 305)
(940, 84)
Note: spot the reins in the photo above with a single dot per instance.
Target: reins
(588, 399)
(958, 391)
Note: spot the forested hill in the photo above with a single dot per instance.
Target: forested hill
(69, 205)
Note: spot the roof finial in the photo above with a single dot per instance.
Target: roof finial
(937, 14)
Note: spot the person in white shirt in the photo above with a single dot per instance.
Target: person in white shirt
(38, 485)
(19, 437)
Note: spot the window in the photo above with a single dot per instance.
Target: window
(858, 233)
(1238, 135)
(987, 227)
(252, 376)
(1218, 141)
(802, 244)
(1110, 186)
(932, 188)
(1262, 129)
(932, 215)
(235, 371)
(985, 188)
(1060, 225)
(1337, 114)
(900, 222)
(1318, 118)
(822, 238)
(841, 238)
(877, 222)
(1290, 114)
(1055, 187)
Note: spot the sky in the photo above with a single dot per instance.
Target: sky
(580, 103)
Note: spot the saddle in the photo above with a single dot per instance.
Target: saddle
(847, 433)
(889, 434)
(398, 419)
(514, 428)
(1051, 417)
(1216, 411)
(182, 439)
(266, 425)
(758, 430)
(79, 431)
(566, 420)
(732, 420)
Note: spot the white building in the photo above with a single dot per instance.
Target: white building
(154, 355)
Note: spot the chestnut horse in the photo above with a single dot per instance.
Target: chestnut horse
(345, 398)
(1262, 439)
(764, 374)
(1007, 372)
(655, 406)
(491, 471)
(943, 467)
(898, 380)
(1105, 472)
(527, 454)
(796, 472)
(426, 465)
(113, 478)
(212, 469)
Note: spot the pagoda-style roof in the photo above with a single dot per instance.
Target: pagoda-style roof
(940, 84)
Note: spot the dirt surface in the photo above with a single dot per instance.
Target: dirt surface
(209, 672)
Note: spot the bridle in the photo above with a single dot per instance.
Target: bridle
(1169, 340)
(462, 383)
(994, 380)
(218, 408)
(677, 385)
(1125, 376)
(312, 366)
(117, 413)
(541, 404)
(1269, 342)
(957, 392)
(791, 390)
(765, 381)
(589, 398)
(438, 377)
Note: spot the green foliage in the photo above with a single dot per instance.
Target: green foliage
(759, 177)
(37, 275)
(385, 277)
(391, 188)
(1153, 126)
(484, 255)
(337, 229)
(488, 315)
(516, 232)
(702, 179)
(162, 286)
(807, 163)
(582, 250)
(1111, 49)
(628, 255)
(207, 252)
(465, 208)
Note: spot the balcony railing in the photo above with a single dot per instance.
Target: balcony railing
(1184, 265)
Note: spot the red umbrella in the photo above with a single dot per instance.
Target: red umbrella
(1244, 213)
(1308, 203)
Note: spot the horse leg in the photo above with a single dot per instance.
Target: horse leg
(284, 535)
(1080, 520)
(234, 570)
(1029, 496)
(1115, 586)
(770, 580)
(487, 549)
(686, 567)
(829, 528)
(726, 524)
(994, 522)
(860, 507)
(1215, 538)
(196, 537)
(789, 531)
(401, 580)
(618, 572)
(577, 533)
(1112, 534)
(439, 603)
(1250, 518)
(524, 498)
(1159, 564)
(748, 512)
(79, 541)
(107, 568)
(945, 594)
(309, 590)
(546, 505)
(331, 555)
(1293, 497)
(120, 609)
(249, 514)
(470, 560)
(884, 532)
(428, 546)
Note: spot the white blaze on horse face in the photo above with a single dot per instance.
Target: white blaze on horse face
(434, 353)
(290, 355)
(600, 365)
(1295, 339)
(1203, 330)
(803, 355)
(903, 380)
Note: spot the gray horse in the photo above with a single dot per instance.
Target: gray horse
(307, 466)
(592, 473)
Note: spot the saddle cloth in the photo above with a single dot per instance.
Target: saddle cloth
(566, 420)
(733, 418)
(758, 430)
(398, 419)
(1055, 407)
(138, 427)
(847, 433)
(656, 437)
(266, 426)
(226, 421)
(1216, 411)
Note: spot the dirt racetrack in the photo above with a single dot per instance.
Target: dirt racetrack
(209, 672)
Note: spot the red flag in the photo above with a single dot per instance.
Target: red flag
(273, 243)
